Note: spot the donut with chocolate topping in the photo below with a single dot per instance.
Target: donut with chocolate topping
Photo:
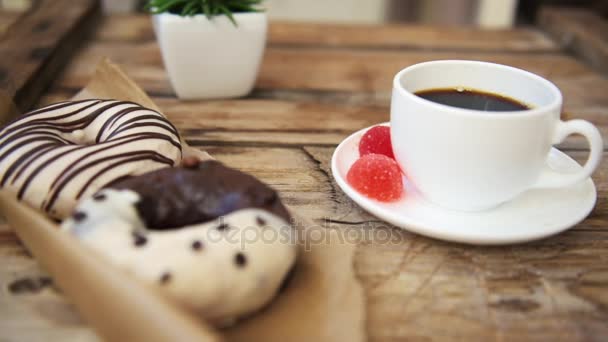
(52, 157)
(216, 239)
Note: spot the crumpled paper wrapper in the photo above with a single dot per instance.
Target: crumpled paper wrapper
(323, 301)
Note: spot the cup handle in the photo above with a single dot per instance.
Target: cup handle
(554, 179)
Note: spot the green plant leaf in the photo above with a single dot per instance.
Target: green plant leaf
(189, 9)
(228, 14)
(209, 8)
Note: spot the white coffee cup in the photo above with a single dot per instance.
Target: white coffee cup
(473, 160)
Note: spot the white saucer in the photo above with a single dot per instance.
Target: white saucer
(533, 215)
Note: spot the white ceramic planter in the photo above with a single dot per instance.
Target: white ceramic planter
(211, 58)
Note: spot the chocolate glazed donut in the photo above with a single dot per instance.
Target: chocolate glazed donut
(52, 157)
(198, 193)
(217, 240)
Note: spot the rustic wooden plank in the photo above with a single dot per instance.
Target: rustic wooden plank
(7, 19)
(362, 71)
(580, 31)
(137, 28)
(285, 124)
(351, 74)
(356, 78)
(31, 308)
(40, 45)
(416, 288)
(279, 123)
(524, 39)
(419, 288)
(125, 28)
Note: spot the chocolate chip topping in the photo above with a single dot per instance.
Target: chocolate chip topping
(197, 245)
(79, 216)
(223, 226)
(240, 260)
(176, 197)
(165, 278)
(260, 221)
(99, 197)
(139, 239)
(29, 285)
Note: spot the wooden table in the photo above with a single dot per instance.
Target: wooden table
(318, 84)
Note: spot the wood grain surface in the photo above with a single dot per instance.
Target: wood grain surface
(36, 44)
(131, 28)
(7, 19)
(580, 31)
(318, 84)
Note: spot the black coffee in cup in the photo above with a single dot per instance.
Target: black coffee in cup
(472, 99)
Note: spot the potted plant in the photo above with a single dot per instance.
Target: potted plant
(210, 48)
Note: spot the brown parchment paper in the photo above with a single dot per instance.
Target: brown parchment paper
(323, 301)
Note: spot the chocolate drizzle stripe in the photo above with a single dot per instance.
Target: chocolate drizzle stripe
(157, 158)
(26, 142)
(51, 120)
(49, 108)
(56, 188)
(169, 122)
(138, 154)
(137, 125)
(111, 145)
(109, 123)
(117, 116)
(37, 134)
(140, 136)
(79, 123)
(61, 105)
(31, 133)
(27, 165)
(40, 128)
(31, 154)
(155, 117)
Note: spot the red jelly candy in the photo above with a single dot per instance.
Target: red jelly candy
(377, 140)
(376, 176)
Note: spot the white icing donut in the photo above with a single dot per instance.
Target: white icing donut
(52, 157)
(222, 269)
